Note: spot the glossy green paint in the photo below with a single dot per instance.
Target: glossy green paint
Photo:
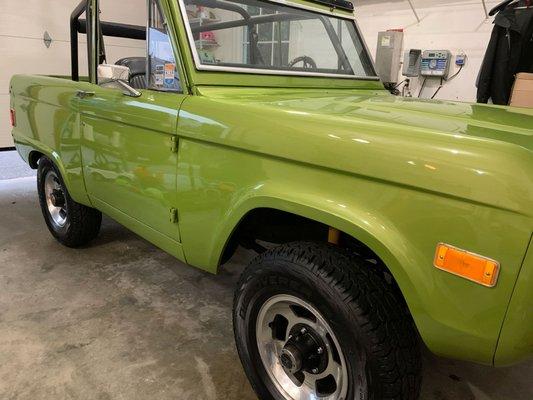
(400, 175)
(126, 149)
(397, 174)
(111, 155)
(516, 339)
(48, 122)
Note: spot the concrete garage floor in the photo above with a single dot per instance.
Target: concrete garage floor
(121, 319)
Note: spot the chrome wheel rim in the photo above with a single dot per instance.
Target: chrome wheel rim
(55, 199)
(300, 351)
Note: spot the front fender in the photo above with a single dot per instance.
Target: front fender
(218, 186)
(379, 235)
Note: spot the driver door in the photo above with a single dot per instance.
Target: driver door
(129, 144)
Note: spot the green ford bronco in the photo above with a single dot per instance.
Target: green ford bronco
(380, 222)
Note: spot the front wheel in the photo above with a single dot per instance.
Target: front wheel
(312, 321)
(71, 223)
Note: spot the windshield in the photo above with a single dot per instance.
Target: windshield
(259, 36)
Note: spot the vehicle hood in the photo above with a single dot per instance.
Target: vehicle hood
(505, 124)
(468, 151)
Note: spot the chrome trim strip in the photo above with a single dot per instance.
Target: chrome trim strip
(201, 67)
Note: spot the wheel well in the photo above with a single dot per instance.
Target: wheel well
(265, 227)
(33, 159)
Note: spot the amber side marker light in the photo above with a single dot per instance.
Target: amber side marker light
(468, 265)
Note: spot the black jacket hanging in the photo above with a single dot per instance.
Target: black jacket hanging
(526, 59)
(508, 53)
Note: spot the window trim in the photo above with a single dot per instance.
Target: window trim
(172, 44)
(96, 41)
(93, 39)
(254, 71)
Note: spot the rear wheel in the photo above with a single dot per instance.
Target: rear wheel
(312, 321)
(71, 223)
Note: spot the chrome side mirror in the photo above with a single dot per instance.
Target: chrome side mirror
(116, 75)
(128, 90)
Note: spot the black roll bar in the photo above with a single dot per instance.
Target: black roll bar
(126, 31)
(74, 63)
(251, 21)
(337, 45)
(254, 20)
(255, 54)
(78, 25)
(138, 32)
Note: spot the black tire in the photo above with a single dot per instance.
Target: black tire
(82, 223)
(367, 318)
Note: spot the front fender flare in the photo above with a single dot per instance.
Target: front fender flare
(379, 235)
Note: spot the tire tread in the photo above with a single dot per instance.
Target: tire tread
(382, 317)
(84, 221)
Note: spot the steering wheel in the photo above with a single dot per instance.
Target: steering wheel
(308, 62)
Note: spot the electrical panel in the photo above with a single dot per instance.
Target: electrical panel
(435, 63)
(388, 55)
(411, 63)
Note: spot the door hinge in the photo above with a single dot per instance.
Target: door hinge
(174, 144)
(173, 215)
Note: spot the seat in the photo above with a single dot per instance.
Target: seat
(137, 66)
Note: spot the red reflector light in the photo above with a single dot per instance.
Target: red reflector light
(12, 117)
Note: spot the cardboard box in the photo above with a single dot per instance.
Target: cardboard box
(522, 95)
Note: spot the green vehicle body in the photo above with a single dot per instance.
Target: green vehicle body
(399, 175)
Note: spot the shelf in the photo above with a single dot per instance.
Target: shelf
(203, 21)
(202, 44)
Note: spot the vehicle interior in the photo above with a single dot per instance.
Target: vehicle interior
(257, 34)
(137, 66)
(145, 71)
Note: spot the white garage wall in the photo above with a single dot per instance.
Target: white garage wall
(22, 50)
(455, 25)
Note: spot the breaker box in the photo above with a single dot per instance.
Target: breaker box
(388, 55)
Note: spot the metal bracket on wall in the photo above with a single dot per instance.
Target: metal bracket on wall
(414, 11)
(47, 39)
(485, 9)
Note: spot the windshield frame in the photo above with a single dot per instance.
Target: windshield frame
(254, 71)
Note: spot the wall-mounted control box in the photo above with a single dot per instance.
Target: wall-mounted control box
(388, 55)
(435, 63)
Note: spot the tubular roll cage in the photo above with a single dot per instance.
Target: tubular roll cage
(138, 32)
(250, 21)
(112, 29)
